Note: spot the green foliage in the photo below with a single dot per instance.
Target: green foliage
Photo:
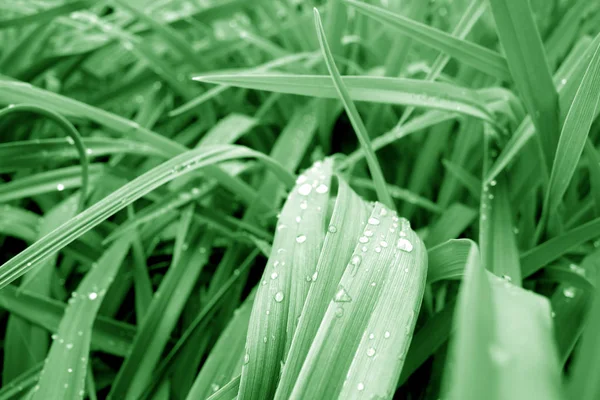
(211, 200)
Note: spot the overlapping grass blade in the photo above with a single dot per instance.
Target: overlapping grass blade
(491, 359)
(121, 198)
(529, 68)
(108, 335)
(286, 281)
(45, 15)
(64, 373)
(573, 136)
(19, 223)
(400, 91)
(472, 54)
(448, 260)
(593, 160)
(355, 119)
(453, 221)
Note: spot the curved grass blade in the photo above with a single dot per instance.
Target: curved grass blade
(529, 68)
(50, 181)
(24, 154)
(479, 57)
(63, 375)
(593, 159)
(453, 221)
(448, 260)
(354, 116)
(70, 132)
(124, 196)
(19, 223)
(400, 91)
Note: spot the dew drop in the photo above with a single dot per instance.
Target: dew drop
(300, 239)
(363, 239)
(493, 183)
(377, 249)
(373, 284)
(70, 140)
(383, 243)
(360, 387)
(274, 275)
(387, 334)
(214, 387)
(322, 189)
(569, 292)
(404, 245)
(303, 205)
(246, 358)
(69, 346)
(279, 297)
(339, 312)
(93, 296)
(373, 221)
(368, 233)
(315, 275)
(372, 336)
(60, 187)
(370, 352)
(70, 370)
(341, 295)
(364, 249)
(332, 229)
(301, 179)
(305, 189)
(298, 219)
(383, 212)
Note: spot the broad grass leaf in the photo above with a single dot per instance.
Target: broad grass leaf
(63, 375)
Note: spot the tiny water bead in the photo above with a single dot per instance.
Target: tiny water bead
(300, 239)
(305, 189)
(303, 205)
(322, 189)
(246, 358)
(383, 243)
(60, 187)
(373, 221)
(387, 334)
(368, 233)
(569, 292)
(341, 295)
(274, 275)
(404, 245)
(279, 297)
(332, 229)
(360, 387)
(93, 296)
(372, 336)
(315, 276)
(214, 387)
(363, 239)
(339, 312)
(298, 219)
(370, 352)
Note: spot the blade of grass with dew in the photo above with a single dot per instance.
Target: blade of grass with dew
(388, 337)
(347, 321)
(64, 374)
(344, 229)
(543, 254)
(582, 383)
(574, 133)
(453, 221)
(19, 92)
(228, 130)
(499, 251)
(124, 196)
(593, 159)
(226, 357)
(470, 182)
(355, 119)
(227, 392)
(399, 91)
(108, 335)
(23, 337)
(286, 281)
(491, 359)
(567, 80)
(529, 68)
(23, 154)
(478, 57)
(164, 311)
(571, 305)
(49, 181)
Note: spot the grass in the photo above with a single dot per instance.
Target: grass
(311, 199)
